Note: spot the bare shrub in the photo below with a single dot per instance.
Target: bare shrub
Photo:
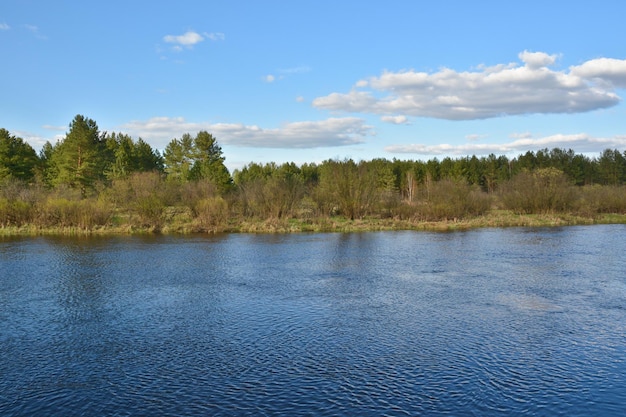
(84, 214)
(211, 214)
(545, 190)
(194, 191)
(14, 212)
(450, 199)
(406, 211)
(97, 212)
(149, 211)
(601, 199)
(145, 198)
(389, 204)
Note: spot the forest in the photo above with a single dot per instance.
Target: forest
(93, 181)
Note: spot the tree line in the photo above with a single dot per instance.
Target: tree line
(92, 178)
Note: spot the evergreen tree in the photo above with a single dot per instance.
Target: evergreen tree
(179, 157)
(146, 158)
(82, 158)
(130, 157)
(198, 158)
(209, 162)
(17, 158)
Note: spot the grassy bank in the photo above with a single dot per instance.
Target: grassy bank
(180, 225)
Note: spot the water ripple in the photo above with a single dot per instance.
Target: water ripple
(529, 323)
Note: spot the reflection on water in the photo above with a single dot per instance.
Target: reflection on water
(486, 322)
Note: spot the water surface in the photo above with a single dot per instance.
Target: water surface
(485, 322)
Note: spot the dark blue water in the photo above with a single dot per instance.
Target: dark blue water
(486, 322)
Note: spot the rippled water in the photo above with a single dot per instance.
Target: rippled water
(485, 322)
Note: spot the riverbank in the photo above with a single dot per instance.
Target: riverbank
(494, 218)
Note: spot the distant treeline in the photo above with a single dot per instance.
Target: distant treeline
(93, 179)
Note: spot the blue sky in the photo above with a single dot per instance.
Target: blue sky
(306, 81)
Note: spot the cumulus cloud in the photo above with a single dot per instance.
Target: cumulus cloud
(269, 78)
(504, 89)
(306, 134)
(581, 142)
(4, 26)
(608, 70)
(536, 60)
(191, 38)
(396, 120)
(188, 39)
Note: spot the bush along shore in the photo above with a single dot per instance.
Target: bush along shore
(97, 183)
(149, 203)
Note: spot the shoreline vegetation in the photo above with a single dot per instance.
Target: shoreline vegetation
(492, 219)
(94, 183)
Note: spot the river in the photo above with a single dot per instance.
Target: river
(484, 322)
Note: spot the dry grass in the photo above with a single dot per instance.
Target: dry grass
(184, 224)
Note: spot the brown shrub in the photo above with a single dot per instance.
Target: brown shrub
(211, 214)
(61, 212)
(601, 199)
(450, 199)
(545, 190)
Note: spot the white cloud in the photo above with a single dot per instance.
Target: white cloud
(300, 99)
(159, 131)
(580, 142)
(397, 120)
(603, 69)
(522, 135)
(37, 141)
(191, 38)
(188, 39)
(474, 137)
(4, 26)
(504, 89)
(215, 36)
(284, 73)
(535, 60)
(52, 127)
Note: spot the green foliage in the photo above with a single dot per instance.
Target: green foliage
(179, 158)
(269, 190)
(130, 156)
(197, 158)
(90, 179)
(612, 167)
(81, 159)
(17, 158)
(347, 188)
